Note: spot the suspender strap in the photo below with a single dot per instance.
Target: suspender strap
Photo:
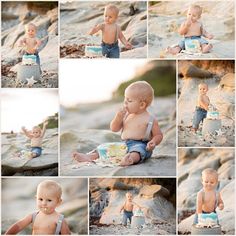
(34, 216)
(59, 224)
(149, 129)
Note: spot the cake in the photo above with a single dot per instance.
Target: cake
(29, 60)
(213, 115)
(25, 154)
(192, 46)
(93, 51)
(207, 220)
(138, 213)
(112, 152)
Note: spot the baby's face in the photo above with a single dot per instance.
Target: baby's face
(209, 182)
(36, 133)
(202, 89)
(129, 197)
(110, 16)
(47, 200)
(30, 31)
(193, 14)
(131, 102)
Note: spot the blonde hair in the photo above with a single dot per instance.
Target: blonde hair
(210, 171)
(32, 25)
(112, 8)
(203, 84)
(51, 185)
(128, 193)
(145, 91)
(196, 7)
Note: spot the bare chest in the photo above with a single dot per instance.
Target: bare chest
(194, 29)
(44, 226)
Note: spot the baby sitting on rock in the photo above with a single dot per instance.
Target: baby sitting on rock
(139, 129)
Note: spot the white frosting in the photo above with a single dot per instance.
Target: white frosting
(93, 51)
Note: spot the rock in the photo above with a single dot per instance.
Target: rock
(227, 82)
(192, 71)
(153, 190)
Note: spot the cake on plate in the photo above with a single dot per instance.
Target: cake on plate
(207, 220)
(213, 115)
(192, 46)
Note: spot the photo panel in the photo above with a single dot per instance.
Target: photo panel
(30, 51)
(110, 112)
(46, 206)
(191, 29)
(206, 103)
(132, 206)
(103, 29)
(29, 132)
(206, 191)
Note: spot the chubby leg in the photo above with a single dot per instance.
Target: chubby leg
(130, 159)
(81, 157)
(173, 50)
(206, 47)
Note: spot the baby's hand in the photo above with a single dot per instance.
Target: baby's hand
(45, 122)
(221, 206)
(188, 21)
(128, 45)
(122, 111)
(210, 36)
(150, 145)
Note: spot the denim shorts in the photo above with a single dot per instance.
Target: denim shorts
(140, 147)
(199, 38)
(199, 115)
(37, 151)
(110, 50)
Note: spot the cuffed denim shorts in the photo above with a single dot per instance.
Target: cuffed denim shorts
(140, 147)
(199, 115)
(127, 215)
(37, 151)
(199, 38)
(110, 50)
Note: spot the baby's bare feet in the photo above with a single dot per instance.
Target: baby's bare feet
(173, 50)
(127, 160)
(80, 157)
(206, 48)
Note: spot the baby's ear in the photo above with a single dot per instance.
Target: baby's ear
(143, 104)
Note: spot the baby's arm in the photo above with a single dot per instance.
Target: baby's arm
(95, 29)
(38, 43)
(183, 29)
(157, 136)
(117, 122)
(123, 39)
(65, 228)
(44, 128)
(207, 35)
(220, 203)
(20, 225)
(199, 203)
(26, 132)
(203, 103)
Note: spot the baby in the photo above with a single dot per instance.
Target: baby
(203, 103)
(192, 28)
(139, 129)
(208, 199)
(36, 137)
(128, 207)
(30, 43)
(46, 221)
(111, 32)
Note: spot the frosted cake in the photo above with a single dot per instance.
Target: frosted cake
(192, 46)
(93, 51)
(112, 152)
(207, 220)
(29, 60)
(213, 115)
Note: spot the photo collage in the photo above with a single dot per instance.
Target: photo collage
(117, 117)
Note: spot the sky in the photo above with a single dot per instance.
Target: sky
(26, 107)
(88, 81)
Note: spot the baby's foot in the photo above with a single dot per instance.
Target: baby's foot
(127, 161)
(206, 48)
(173, 50)
(80, 157)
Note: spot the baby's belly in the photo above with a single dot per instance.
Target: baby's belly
(135, 135)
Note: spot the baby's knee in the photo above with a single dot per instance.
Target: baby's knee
(135, 156)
